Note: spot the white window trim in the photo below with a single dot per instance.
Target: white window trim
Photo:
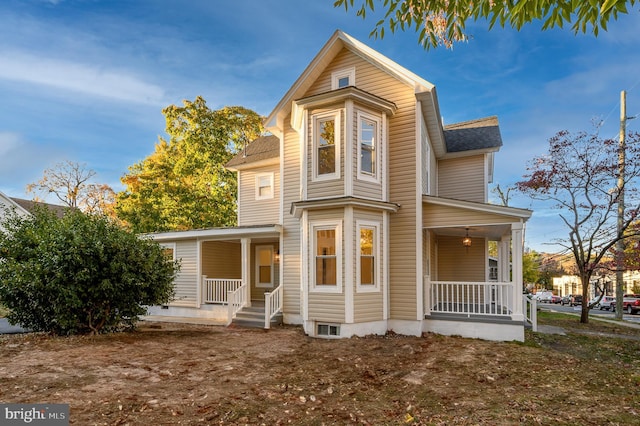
(319, 226)
(335, 115)
(270, 175)
(367, 288)
(377, 147)
(257, 266)
(337, 75)
(171, 246)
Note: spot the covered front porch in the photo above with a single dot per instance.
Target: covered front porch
(472, 260)
(223, 270)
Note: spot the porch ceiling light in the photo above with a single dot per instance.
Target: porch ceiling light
(466, 241)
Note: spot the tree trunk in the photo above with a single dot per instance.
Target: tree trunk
(584, 313)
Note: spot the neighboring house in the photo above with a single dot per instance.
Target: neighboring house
(361, 214)
(570, 284)
(26, 207)
(8, 203)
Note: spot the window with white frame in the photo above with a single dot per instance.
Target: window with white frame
(343, 78)
(367, 268)
(326, 143)
(368, 146)
(264, 186)
(169, 251)
(327, 255)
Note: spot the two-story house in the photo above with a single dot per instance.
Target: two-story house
(361, 213)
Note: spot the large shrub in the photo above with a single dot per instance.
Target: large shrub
(79, 274)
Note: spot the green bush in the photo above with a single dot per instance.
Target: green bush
(79, 274)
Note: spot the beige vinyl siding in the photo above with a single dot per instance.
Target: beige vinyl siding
(444, 216)
(365, 188)
(290, 252)
(433, 267)
(258, 212)
(329, 187)
(462, 178)
(403, 184)
(457, 263)
(368, 306)
(402, 174)
(433, 173)
(326, 306)
(402, 178)
(222, 259)
(186, 283)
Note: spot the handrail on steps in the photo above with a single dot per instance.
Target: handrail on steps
(530, 309)
(236, 300)
(272, 305)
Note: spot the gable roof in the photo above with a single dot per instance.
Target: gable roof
(480, 134)
(263, 150)
(425, 91)
(9, 203)
(30, 206)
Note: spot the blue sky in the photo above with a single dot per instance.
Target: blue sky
(86, 80)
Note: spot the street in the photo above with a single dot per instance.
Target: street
(556, 307)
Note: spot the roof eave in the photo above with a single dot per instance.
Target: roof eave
(520, 213)
(338, 40)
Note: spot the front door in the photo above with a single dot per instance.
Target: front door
(264, 266)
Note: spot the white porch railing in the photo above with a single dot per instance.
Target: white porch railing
(530, 309)
(215, 290)
(272, 305)
(472, 298)
(237, 299)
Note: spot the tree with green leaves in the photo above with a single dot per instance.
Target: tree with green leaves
(578, 177)
(183, 184)
(80, 273)
(443, 22)
(530, 267)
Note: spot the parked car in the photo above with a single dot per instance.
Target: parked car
(605, 303)
(544, 296)
(572, 300)
(630, 303)
(556, 299)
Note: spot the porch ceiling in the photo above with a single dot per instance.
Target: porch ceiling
(491, 232)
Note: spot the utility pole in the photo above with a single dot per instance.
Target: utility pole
(620, 243)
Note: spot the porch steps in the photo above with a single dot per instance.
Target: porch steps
(253, 316)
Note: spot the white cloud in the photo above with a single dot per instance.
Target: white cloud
(86, 79)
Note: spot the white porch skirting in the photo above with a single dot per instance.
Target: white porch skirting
(497, 331)
(216, 312)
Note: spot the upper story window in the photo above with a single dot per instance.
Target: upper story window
(343, 78)
(264, 186)
(368, 146)
(326, 146)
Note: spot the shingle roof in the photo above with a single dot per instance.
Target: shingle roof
(30, 206)
(263, 148)
(482, 133)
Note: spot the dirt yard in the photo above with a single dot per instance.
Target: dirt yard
(171, 374)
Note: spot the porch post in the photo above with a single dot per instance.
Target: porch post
(516, 260)
(246, 266)
(503, 259)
